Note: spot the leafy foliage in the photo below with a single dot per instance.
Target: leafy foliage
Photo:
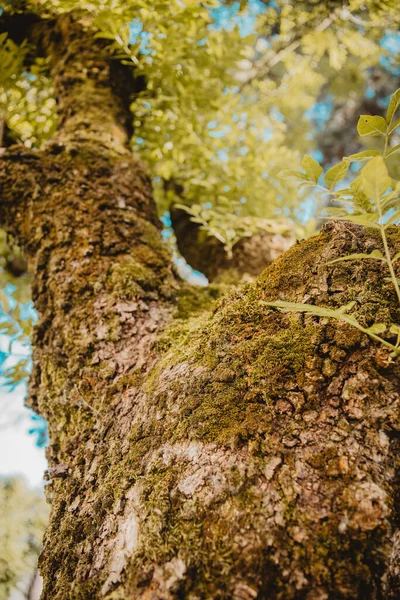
(230, 227)
(16, 317)
(228, 87)
(31, 108)
(11, 58)
(23, 516)
(371, 200)
(26, 103)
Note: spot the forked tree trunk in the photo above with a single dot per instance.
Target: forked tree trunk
(238, 453)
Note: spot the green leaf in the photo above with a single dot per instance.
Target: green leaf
(345, 308)
(306, 184)
(336, 174)
(5, 327)
(375, 254)
(393, 106)
(291, 174)
(105, 35)
(319, 311)
(334, 211)
(376, 328)
(390, 201)
(395, 217)
(361, 156)
(376, 179)
(4, 303)
(395, 329)
(371, 125)
(396, 257)
(367, 220)
(311, 167)
(338, 314)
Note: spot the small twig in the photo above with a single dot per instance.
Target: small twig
(346, 14)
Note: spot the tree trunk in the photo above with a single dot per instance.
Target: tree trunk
(238, 453)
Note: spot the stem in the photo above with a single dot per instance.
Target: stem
(324, 189)
(127, 50)
(395, 349)
(389, 262)
(386, 145)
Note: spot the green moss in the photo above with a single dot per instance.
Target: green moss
(232, 397)
(106, 370)
(113, 323)
(128, 380)
(193, 307)
(287, 272)
(236, 373)
(246, 354)
(192, 299)
(229, 277)
(130, 278)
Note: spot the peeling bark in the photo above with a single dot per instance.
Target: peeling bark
(237, 453)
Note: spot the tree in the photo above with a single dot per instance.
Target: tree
(199, 449)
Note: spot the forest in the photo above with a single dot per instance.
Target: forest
(200, 299)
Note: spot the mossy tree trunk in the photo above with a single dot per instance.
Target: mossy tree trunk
(230, 451)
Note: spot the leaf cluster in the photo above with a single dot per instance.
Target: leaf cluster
(23, 517)
(372, 200)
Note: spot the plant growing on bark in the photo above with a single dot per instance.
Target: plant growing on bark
(371, 200)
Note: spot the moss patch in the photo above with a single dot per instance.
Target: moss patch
(130, 278)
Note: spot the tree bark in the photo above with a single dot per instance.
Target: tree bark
(240, 453)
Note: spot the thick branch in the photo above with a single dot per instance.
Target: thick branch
(92, 90)
(207, 254)
(84, 214)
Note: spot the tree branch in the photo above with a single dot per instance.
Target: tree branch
(207, 254)
(92, 90)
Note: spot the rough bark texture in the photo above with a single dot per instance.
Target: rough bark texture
(237, 453)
